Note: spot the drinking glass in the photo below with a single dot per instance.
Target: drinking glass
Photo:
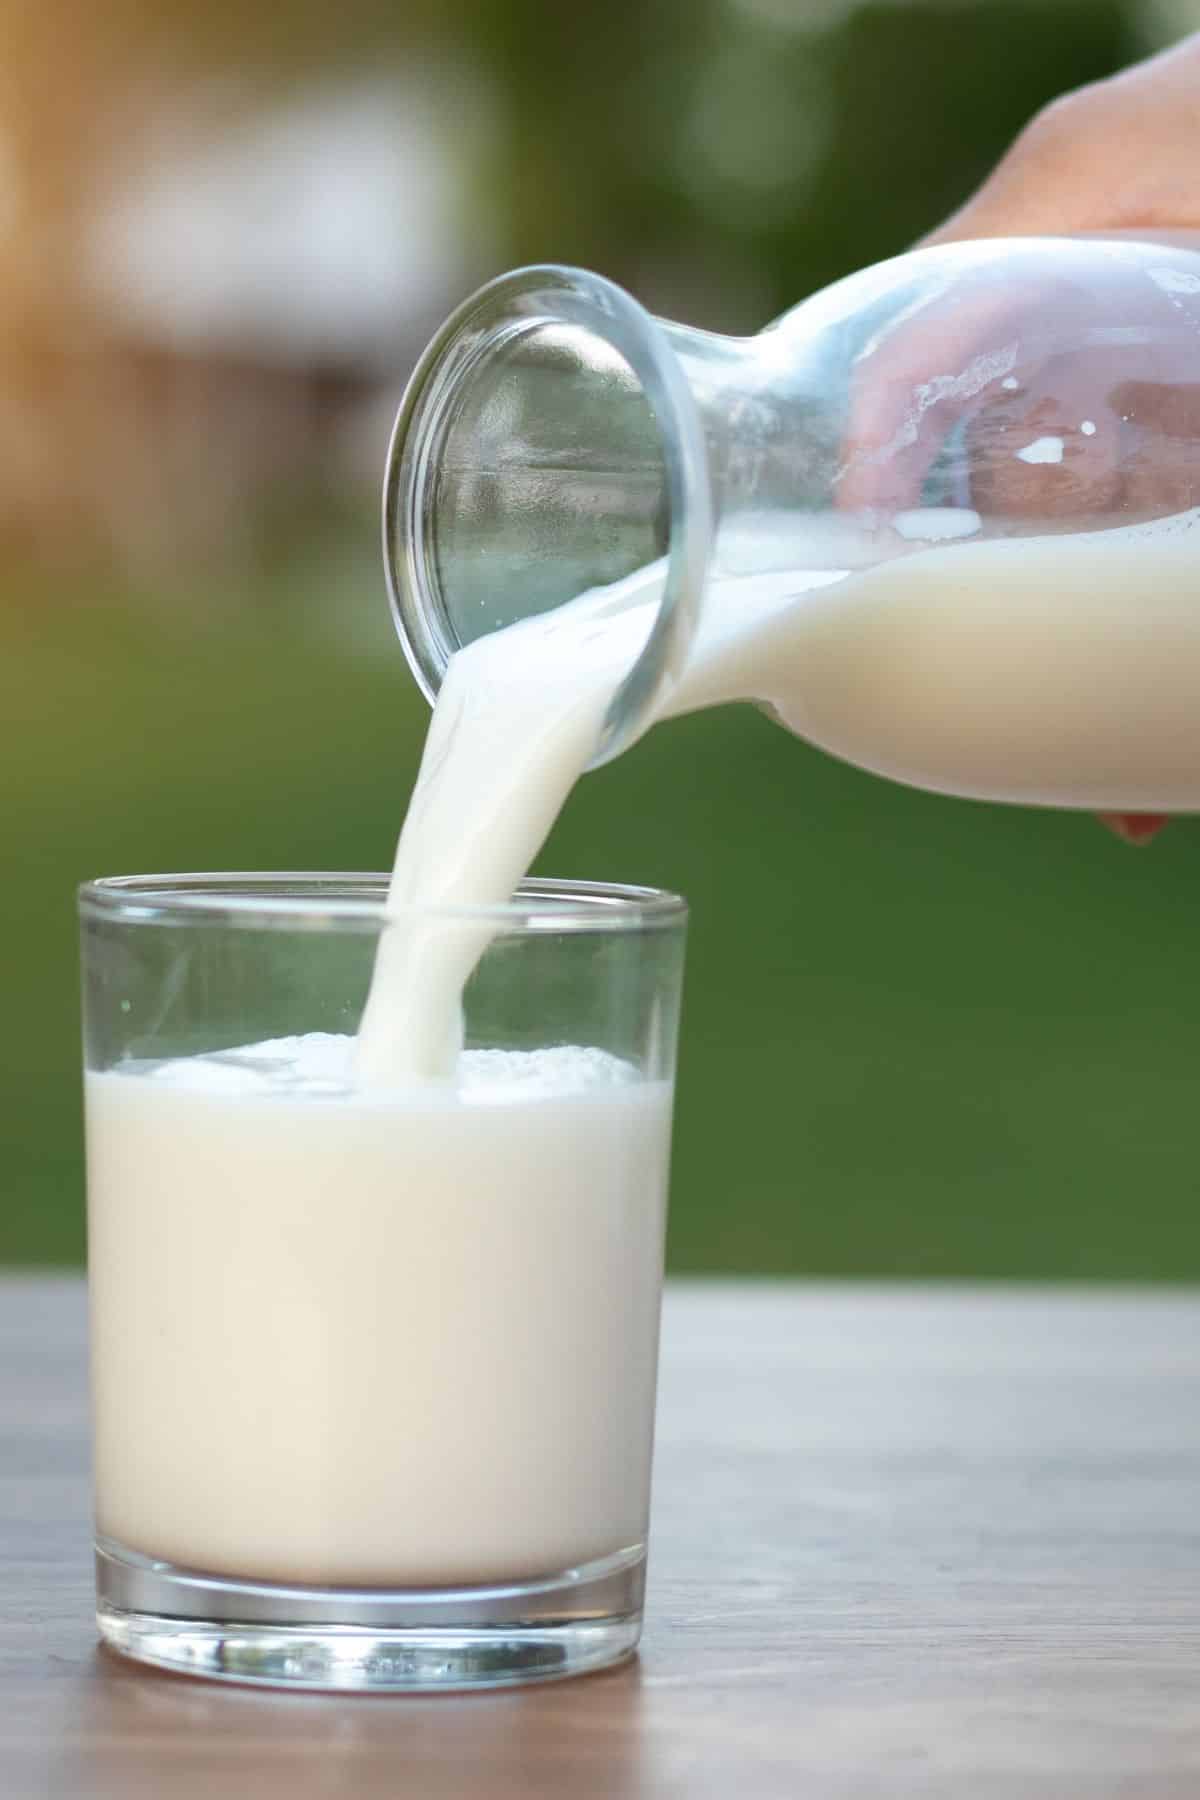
(373, 1369)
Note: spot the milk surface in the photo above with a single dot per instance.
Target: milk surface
(1057, 670)
(353, 1338)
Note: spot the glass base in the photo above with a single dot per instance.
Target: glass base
(370, 1640)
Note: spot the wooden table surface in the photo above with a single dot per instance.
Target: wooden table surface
(907, 1541)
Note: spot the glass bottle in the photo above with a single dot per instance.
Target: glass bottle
(556, 437)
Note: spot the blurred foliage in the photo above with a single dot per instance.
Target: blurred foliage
(752, 148)
(704, 135)
(921, 1037)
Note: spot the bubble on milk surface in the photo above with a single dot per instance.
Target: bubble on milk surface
(320, 1065)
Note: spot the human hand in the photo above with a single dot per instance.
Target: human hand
(1120, 154)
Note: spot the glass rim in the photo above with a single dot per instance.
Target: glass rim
(287, 899)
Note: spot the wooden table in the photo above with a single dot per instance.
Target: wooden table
(907, 1541)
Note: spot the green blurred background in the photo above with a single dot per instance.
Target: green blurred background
(921, 1037)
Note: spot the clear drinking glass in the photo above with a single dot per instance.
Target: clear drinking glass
(373, 1372)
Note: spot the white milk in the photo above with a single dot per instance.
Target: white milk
(1061, 670)
(400, 1339)
(516, 723)
(1057, 671)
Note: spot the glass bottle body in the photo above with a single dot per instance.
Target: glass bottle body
(972, 468)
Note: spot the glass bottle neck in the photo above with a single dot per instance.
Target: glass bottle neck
(548, 443)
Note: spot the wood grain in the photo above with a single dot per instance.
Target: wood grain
(907, 1542)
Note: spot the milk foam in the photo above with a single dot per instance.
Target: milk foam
(320, 1065)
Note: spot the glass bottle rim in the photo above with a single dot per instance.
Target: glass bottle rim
(549, 293)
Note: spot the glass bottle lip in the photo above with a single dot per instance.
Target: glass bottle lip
(555, 294)
(294, 900)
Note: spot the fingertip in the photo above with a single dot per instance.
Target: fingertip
(1133, 828)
